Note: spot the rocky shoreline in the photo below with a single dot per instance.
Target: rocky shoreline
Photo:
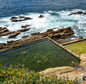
(58, 33)
(51, 33)
(4, 31)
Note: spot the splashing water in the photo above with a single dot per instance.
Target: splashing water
(51, 19)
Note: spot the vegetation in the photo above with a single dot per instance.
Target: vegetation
(19, 75)
(78, 46)
(38, 56)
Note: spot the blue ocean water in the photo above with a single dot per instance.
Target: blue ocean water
(16, 7)
(55, 15)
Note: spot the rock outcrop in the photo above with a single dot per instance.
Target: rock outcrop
(41, 16)
(19, 18)
(18, 32)
(58, 70)
(77, 13)
(60, 33)
(25, 26)
(25, 36)
(13, 44)
(23, 30)
(14, 35)
(4, 31)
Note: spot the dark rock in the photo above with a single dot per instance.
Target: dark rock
(10, 42)
(49, 30)
(4, 30)
(60, 33)
(77, 13)
(23, 30)
(41, 16)
(14, 35)
(27, 18)
(25, 26)
(19, 18)
(25, 36)
(18, 32)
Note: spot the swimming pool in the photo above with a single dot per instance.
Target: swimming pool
(38, 55)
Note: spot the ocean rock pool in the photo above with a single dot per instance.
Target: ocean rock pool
(38, 55)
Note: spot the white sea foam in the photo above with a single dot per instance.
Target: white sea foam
(51, 19)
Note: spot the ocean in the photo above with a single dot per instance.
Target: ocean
(55, 15)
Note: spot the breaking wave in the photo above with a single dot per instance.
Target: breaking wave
(51, 19)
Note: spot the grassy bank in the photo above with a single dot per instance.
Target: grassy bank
(18, 75)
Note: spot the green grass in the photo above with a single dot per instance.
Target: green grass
(78, 47)
(38, 56)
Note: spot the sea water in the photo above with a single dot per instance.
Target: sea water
(55, 14)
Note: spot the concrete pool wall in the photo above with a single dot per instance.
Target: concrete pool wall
(74, 41)
(64, 48)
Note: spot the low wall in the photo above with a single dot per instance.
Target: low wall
(74, 41)
(60, 45)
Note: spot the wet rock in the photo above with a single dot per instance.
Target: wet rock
(41, 16)
(25, 36)
(60, 30)
(12, 18)
(54, 34)
(20, 18)
(25, 26)
(49, 30)
(6, 33)
(18, 32)
(4, 30)
(77, 13)
(14, 35)
(23, 30)
(10, 42)
(27, 18)
(60, 33)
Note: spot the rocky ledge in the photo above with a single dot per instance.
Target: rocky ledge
(61, 33)
(12, 44)
(18, 32)
(4, 31)
(25, 26)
